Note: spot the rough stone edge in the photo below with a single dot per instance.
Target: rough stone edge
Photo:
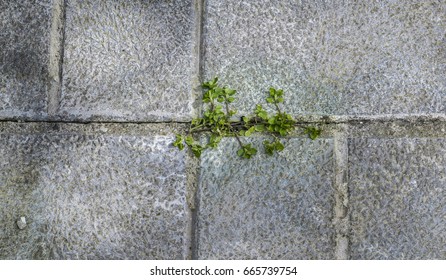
(340, 211)
(56, 56)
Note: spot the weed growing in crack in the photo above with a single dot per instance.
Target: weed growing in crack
(217, 122)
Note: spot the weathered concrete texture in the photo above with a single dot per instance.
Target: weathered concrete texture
(24, 47)
(267, 207)
(128, 60)
(397, 198)
(330, 57)
(92, 197)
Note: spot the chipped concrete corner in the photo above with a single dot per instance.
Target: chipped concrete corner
(90, 103)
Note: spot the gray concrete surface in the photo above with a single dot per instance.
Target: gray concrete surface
(268, 207)
(128, 60)
(397, 198)
(92, 197)
(92, 93)
(330, 57)
(24, 57)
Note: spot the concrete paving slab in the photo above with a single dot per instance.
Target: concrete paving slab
(276, 207)
(330, 57)
(24, 58)
(92, 197)
(397, 198)
(128, 60)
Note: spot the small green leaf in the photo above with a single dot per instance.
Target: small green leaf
(250, 131)
(263, 115)
(231, 99)
(283, 132)
(260, 128)
(179, 142)
(196, 122)
(279, 146)
(214, 140)
(219, 90)
(210, 84)
(197, 150)
(189, 140)
(253, 151)
(207, 97)
(230, 91)
(240, 152)
(270, 100)
(269, 151)
(313, 132)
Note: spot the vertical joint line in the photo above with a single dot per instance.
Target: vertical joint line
(341, 209)
(193, 165)
(57, 38)
(197, 57)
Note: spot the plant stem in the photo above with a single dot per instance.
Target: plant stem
(238, 139)
(277, 107)
(230, 125)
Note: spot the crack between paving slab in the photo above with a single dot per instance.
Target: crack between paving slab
(192, 170)
(56, 53)
(307, 120)
(193, 176)
(341, 219)
(197, 51)
(193, 163)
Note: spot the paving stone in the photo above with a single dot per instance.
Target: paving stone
(128, 60)
(330, 57)
(24, 47)
(397, 198)
(91, 197)
(267, 207)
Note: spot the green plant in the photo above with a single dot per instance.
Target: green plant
(217, 121)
